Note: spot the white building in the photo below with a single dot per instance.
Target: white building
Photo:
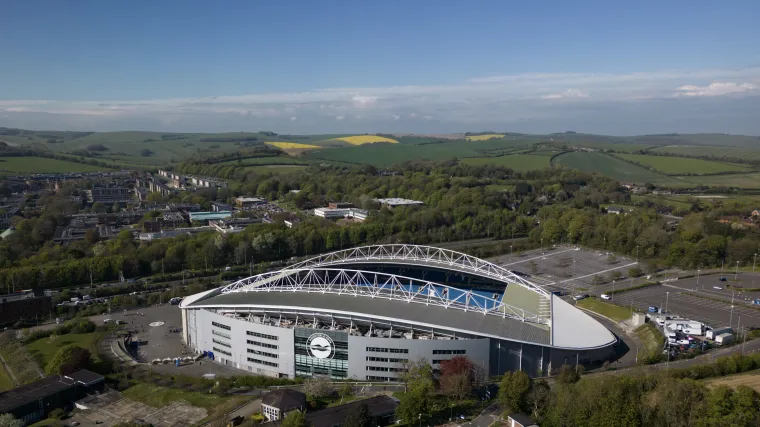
(395, 201)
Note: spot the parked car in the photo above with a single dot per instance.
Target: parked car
(653, 309)
(606, 297)
(723, 279)
(720, 288)
(580, 297)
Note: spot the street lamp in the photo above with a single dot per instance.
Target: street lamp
(736, 275)
(698, 278)
(731, 318)
(612, 297)
(511, 252)
(667, 298)
(754, 261)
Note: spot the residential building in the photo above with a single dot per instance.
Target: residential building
(520, 420)
(109, 195)
(396, 201)
(275, 404)
(382, 411)
(614, 210)
(209, 216)
(220, 207)
(340, 205)
(350, 213)
(233, 225)
(755, 213)
(247, 202)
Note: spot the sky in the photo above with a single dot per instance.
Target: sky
(413, 66)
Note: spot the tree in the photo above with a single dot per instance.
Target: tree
(7, 420)
(568, 375)
(457, 377)
(513, 391)
(418, 396)
(318, 387)
(635, 272)
(67, 360)
(358, 417)
(295, 419)
(146, 152)
(92, 236)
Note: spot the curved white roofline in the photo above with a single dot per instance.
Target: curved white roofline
(419, 255)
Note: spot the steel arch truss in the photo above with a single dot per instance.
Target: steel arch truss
(379, 285)
(412, 254)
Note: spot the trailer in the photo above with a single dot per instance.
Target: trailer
(712, 333)
(724, 339)
(690, 327)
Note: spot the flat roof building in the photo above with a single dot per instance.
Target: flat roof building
(209, 216)
(396, 201)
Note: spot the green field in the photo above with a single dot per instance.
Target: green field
(716, 152)
(518, 162)
(614, 312)
(279, 160)
(45, 348)
(748, 180)
(611, 167)
(682, 166)
(26, 165)
(276, 168)
(159, 397)
(388, 154)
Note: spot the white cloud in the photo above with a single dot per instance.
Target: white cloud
(569, 93)
(716, 89)
(497, 102)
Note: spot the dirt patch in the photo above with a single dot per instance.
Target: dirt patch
(112, 408)
(750, 380)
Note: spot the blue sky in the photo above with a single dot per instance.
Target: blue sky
(389, 66)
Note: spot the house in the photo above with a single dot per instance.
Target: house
(247, 202)
(520, 420)
(382, 411)
(756, 213)
(614, 210)
(277, 403)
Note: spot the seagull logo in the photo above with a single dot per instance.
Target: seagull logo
(320, 346)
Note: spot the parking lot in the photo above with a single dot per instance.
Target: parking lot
(711, 306)
(568, 268)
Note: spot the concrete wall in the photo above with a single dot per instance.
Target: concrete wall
(476, 350)
(203, 341)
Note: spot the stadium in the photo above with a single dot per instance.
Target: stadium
(363, 313)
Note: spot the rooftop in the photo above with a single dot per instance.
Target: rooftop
(396, 201)
(284, 399)
(32, 392)
(379, 406)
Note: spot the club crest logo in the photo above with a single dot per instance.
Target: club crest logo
(320, 346)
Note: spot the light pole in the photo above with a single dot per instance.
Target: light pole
(511, 252)
(754, 261)
(667, 298)
(542, 246)
(612, 297)
(697, 278)
(736, 275)
(731, 318)
(637, 253)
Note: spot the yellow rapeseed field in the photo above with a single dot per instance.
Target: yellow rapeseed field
(485, 137)
(366, 139)
(292, 145)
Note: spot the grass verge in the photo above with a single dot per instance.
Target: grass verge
(614, 312)
(633, 288)
(6, 383)
(652, 339)
(45, 348)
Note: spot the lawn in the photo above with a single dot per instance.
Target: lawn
(614, 312)
(485, 137)
(159, 397)
(652, 339)
(27, 165)
(18, 359)
(611, 167)
(5, 380)
(682, 165)
(745, 180)
(45, 348)
(518, 162)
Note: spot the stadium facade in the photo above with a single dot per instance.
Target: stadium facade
(363, 313)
